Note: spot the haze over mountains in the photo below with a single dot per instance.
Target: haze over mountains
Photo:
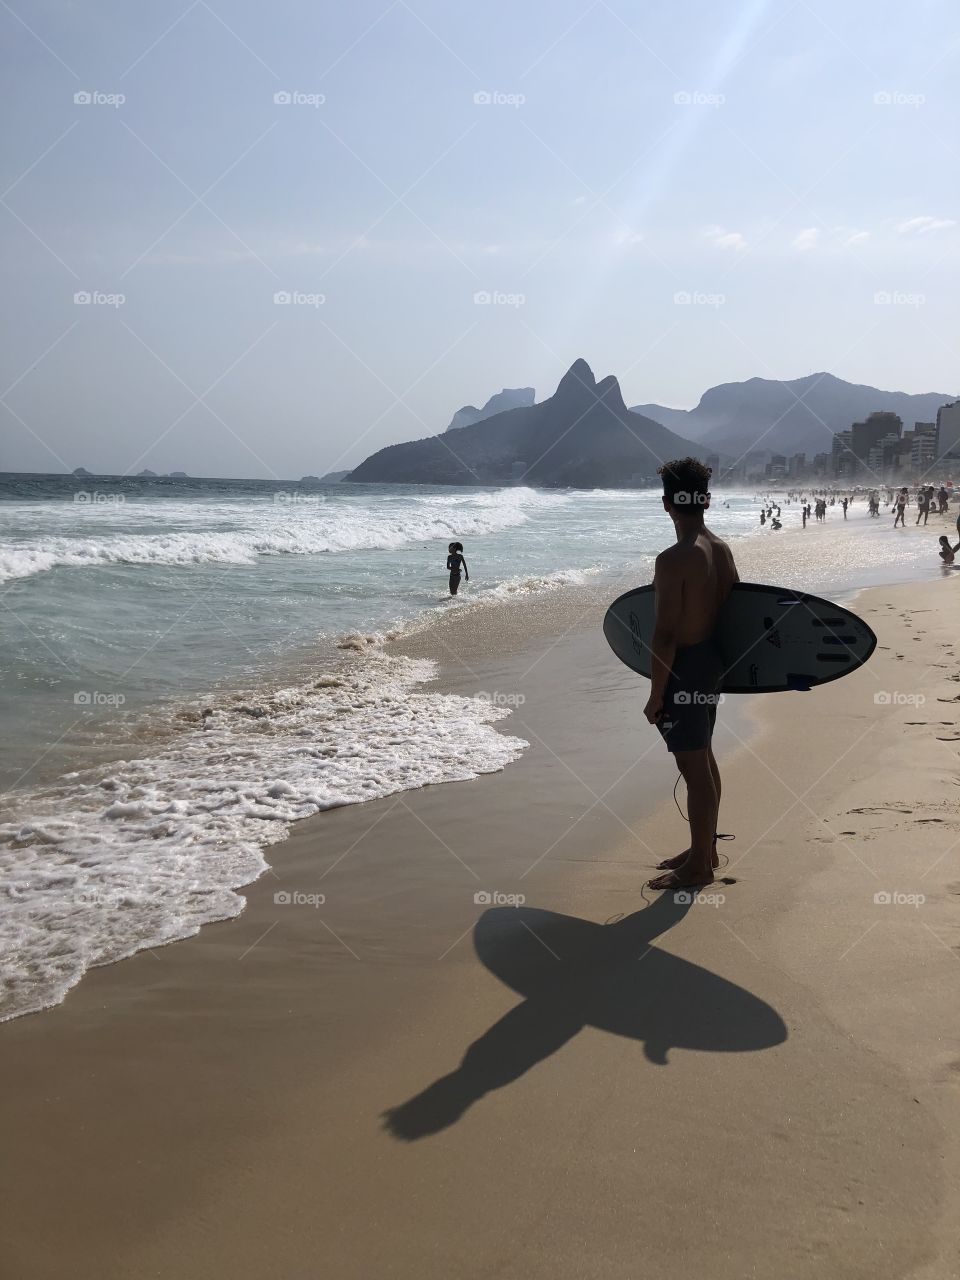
(582, 436)
(508, 398)
(796, 416)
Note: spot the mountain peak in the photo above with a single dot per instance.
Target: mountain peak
(787, 415)
(508, 398)
(583, 435)
(579, 376)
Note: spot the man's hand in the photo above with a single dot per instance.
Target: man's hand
(654, 708)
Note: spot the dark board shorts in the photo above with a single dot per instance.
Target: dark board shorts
(691, 697)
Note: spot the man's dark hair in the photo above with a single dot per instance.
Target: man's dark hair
(686, 483)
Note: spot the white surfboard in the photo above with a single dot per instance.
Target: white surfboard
(771, 639)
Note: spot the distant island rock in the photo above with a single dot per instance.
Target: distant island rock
(331, 477)
(81, 471)
(508, 398)
(799, 415)
(147, 474)
(179, 475)
(583, 436)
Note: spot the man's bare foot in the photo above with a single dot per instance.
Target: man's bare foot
(673, 864)
(688, 878)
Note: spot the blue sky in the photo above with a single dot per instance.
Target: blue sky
(790, 169)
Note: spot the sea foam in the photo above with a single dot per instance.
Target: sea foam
(140, 853)
(79, 535)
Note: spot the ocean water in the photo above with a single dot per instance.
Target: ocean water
(188, 666)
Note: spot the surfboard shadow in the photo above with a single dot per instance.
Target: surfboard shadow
(575, 974)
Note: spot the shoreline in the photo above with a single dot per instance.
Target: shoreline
(293, 1034)
(459, 643)
(157, 723)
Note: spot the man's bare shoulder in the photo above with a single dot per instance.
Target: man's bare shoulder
(675, 557)
(717, 540)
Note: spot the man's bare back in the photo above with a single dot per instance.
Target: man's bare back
(701, 566)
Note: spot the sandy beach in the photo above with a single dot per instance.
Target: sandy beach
(486, 1052)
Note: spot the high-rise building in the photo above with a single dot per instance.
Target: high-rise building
(887, 455)
(923, 447)
(821, 464)
(864, 435)
(713, 462)
(797, 465)
(948, 430)
(844, 462)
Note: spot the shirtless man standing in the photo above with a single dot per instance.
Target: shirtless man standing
(692, 579)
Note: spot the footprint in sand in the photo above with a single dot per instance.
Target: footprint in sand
(880, 808)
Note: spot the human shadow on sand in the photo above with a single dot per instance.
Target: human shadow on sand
(575, 974)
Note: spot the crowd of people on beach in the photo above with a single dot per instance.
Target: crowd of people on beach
(928, 499)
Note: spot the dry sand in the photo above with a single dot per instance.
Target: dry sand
(406, 1083)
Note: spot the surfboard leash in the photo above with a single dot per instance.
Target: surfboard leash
(717, 835)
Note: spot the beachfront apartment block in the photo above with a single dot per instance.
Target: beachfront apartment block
(797, 465)
(948, 430)
(923, 447)
(843, 460)
(879, 447)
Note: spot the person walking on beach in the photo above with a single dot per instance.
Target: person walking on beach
(844, 505)
(901, 506)
(692, 580)
(923, 505)
(456, 564)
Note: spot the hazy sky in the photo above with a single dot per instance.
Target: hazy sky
(781, 164)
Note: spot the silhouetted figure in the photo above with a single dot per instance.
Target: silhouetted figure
(900, 507)
(456, 564)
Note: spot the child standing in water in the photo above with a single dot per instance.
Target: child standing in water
(455, 562)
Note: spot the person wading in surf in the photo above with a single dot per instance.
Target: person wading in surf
(692, 580)
(457, 565)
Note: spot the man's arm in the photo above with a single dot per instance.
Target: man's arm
(668, 592)
(465, 573)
